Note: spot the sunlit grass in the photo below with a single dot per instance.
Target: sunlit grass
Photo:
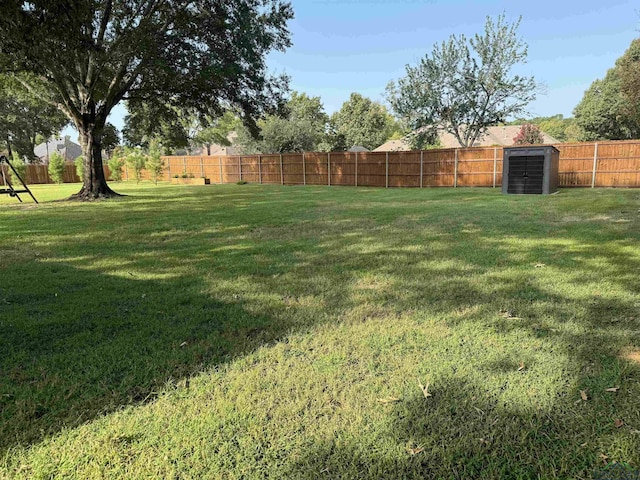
(283, 332)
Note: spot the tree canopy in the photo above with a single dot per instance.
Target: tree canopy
(361, 121)
(610, 108)
(24, 118)
(216, 131)
(301, 126)
(88, 55)
(110, 138)
(465, 86)
(561, 128)
(146, 121)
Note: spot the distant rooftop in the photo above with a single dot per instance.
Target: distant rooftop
(501, 136)
(65, 147)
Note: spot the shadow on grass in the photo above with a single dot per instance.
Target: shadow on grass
(78, 340)
(464, 431)
(77, 343)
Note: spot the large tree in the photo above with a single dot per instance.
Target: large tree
(300, 126)
(610, 108)
(466, 86)
(90, 55)
(361, 121)
(24, 118)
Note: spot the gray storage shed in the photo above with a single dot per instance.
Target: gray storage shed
(530, 169)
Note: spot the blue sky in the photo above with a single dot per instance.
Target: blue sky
(345, 46)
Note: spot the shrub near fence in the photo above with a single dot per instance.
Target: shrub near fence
(601, 164)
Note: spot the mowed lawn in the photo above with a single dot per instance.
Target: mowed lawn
(287, 332)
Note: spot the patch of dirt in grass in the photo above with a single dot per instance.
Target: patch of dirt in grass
(631, 354)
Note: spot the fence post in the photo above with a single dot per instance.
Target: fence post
(304, 170)
(455, 171)
(595, 164)
(240, 167)
(260, 168)
(329, 168)
(220, 166)
(202, 167)
(421, 166)
(495, 165)
(386, 175)
(281, 171)
(169, 167)
(356, 169)
(184, 164)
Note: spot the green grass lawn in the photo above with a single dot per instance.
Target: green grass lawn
(284, 332)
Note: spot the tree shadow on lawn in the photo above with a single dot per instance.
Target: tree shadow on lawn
(77, 343)
(80, 343)
(469, 431)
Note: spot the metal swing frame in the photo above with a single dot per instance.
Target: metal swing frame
(9, 190)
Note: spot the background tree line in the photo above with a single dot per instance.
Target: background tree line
(301, 124)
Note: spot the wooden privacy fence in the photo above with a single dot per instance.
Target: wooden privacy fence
(602, 164)
(40, 174)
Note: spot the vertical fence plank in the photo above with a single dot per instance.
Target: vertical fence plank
(201, 167)
(595, 165)
(386, 174)
(495, 165)
(329, 168)
(455, 171)
(184, 164)
(220, 167)
(260, 168)
(281, 172)
(421, 166)
(240, 167)
(304, 170)
(356, 169)
(169, 169)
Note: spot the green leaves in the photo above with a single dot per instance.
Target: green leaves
(362, 122)
(56, 167)
(465, 86)
(204, 56)
(610, 108)
(300, 127)
(24, 116)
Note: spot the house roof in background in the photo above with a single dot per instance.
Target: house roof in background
(400, 145)
(65, 147)
(358, 148)
(216, 149)
(495, 136)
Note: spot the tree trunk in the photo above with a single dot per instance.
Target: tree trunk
(94, 183)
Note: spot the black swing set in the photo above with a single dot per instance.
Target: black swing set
(8, 187)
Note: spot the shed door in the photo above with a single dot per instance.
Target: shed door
(525, 174)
